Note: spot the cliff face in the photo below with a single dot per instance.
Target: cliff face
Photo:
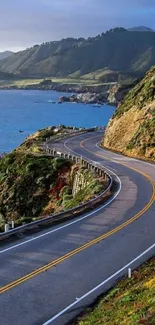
(117, 92)
(132, 128)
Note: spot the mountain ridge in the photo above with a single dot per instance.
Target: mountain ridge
(116, 50)
(5, 54)
(140, 29)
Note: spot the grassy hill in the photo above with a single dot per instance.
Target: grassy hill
(132, 128)
(117, 51)
(34, 184)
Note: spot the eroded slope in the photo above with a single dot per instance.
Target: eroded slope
(132, 128)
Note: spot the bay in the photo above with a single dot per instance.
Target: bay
(28, 111)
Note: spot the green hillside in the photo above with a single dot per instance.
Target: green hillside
(34, 184)
(6, 76)
(132, 129)
(118, 51)
(130, 302)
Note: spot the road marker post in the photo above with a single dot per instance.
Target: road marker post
(12, 224)
(129, 273)
(6, 227)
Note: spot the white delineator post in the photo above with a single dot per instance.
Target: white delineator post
(13, 224)
(6, 227)
(129, 272)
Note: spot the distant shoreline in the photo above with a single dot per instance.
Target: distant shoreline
(91, 98)
(99, 93)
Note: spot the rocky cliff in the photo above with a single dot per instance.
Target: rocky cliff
(132, 128)
(118, 91)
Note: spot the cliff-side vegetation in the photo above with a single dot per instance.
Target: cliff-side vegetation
(26, 182)
(132, 128)
(34, 184)
(131, 301)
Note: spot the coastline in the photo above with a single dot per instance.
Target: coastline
(60, 87)
(111, 93)
(28, 111)
(92, 94)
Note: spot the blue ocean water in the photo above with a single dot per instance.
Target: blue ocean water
(29, 111)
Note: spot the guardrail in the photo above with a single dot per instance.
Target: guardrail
(74, 212)
(69, 214)
(86, 163)
(69, 135)
(78, 158)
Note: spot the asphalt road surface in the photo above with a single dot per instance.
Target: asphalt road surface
(43, 276)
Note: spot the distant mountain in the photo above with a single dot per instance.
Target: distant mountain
(140, 29)
(117, 50)
(6, 76)
(5, 54)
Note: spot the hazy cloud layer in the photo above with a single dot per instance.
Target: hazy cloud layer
(25, 23)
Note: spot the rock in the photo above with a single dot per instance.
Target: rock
(64, 99)
(117, 93)
(131, 130)
(86, 98)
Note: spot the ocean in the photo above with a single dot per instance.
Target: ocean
(28, 111)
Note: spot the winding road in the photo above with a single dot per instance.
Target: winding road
(51, 276)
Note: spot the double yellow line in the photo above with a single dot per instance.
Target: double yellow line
(120, 163)
(89, 244)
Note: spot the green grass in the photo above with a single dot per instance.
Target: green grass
(34, 185)
(97, 74)
(144, 138)
(25, 182)
(74, 81)
(141, 95)
(25, 82)
(20, 83)
(130, 302)
(67, 81)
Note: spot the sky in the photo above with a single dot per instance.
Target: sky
(24, 23)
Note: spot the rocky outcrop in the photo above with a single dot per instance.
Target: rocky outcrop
(87, 98)
(117, 93)
(111, 93)
(80, 182)
(132, 129)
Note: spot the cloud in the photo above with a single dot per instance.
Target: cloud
(34, 21)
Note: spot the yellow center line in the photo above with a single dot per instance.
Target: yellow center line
(92, 242)
(114, 161)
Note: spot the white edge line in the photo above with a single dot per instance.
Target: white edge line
(71, 223)
(130, 159)
(97, 287)
(102, 283)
